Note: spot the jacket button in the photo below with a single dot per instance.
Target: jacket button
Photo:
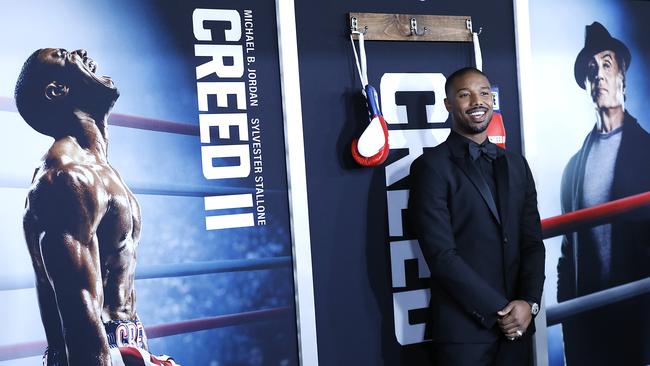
(505, 240)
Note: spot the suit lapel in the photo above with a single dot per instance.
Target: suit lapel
(470, 170)
(503, 187)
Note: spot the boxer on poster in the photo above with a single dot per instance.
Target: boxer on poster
(473, 208)
(611, 164)
(81, 223)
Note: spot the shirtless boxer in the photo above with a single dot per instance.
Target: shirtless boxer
(82, 223)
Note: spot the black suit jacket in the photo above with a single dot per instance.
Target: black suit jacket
(482, 252)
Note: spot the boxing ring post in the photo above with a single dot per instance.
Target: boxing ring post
(527, 108)
(297, 182)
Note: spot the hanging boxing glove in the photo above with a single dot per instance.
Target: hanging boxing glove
(371, 149)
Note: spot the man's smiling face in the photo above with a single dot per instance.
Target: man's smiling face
(470, 103)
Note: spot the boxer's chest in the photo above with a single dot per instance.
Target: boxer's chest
(121, 224)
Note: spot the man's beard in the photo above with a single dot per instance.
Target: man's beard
(473, 128)
(478, 128)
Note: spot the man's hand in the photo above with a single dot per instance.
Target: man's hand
(515, 319)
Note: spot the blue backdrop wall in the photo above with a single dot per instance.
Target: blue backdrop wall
(348, 205)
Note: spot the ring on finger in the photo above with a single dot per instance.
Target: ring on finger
(519, 333)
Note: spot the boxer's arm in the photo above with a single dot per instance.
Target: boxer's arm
(45, 294)
(70, 211)
(73, 268)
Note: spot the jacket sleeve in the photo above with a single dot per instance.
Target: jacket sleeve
(430, 219)
(532, 251)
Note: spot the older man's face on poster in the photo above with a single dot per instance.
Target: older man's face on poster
(605, 80)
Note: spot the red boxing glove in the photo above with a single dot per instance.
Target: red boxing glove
(371, 149)
(379, 157)
(496, 131)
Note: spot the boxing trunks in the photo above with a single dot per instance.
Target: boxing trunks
(126, 343)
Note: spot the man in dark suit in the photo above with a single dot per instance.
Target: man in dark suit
(473, 207)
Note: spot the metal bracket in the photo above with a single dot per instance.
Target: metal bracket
(414, 28)
(354, 24)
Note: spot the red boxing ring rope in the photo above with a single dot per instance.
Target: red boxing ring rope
(125, 120)
(142, 123)
(592, 216)
(195, 325)
(36, 348)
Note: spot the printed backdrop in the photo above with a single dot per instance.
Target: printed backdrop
(152, 50)
(370, 281)
(563, 114)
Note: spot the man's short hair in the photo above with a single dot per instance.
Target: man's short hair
(459, 73)
(30, 93)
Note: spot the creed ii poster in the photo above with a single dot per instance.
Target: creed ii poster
(196, 135)
(586, 136)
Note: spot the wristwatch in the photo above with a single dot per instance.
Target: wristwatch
(534, 308)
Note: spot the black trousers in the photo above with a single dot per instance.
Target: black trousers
(500, 353)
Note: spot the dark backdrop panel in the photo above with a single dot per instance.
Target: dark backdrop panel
(348, 211)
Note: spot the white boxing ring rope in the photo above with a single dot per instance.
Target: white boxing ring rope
(26, 280)
(557, 313)
(159, 189)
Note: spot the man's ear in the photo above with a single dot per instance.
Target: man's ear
(447, 105)
(56, 90)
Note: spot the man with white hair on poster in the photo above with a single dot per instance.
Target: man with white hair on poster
(611, 164)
